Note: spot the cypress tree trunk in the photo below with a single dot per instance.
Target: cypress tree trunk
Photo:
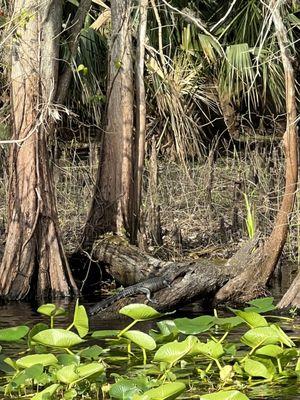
(34, 259)
(112, 205)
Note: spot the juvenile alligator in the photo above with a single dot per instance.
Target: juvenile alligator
(147, 287)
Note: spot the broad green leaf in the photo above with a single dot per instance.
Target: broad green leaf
(230, 349)
(261, 305)
(91, 352)
(260, 336)
(124, 389)
(141, 339)
(140, 312)
(167, 326)
(270, 350)
(34, 372)
(57, 338)
(88, 370)
(168, 391)
(195, 325)
(71, 373)
(43, 380)
(257, 369)
(68, 359)
(67, 374)
(46, 393)
(106, 333)
(211, 349)
(167, 331)
(10, 362)
(47, 309)
(19, 379)
(6, 366)
(51, 310)
(225, 395)
(81, 321)
(34, 331)
(238, 369)
(70, 394)
(13, 334)
(43, 359)
(253, 319)
(229, 322)
(174, 351)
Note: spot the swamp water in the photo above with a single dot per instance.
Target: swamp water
(15, 314)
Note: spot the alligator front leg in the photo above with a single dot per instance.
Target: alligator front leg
(147, 292)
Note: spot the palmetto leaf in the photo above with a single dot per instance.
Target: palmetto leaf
(182, 98)
(237, 75)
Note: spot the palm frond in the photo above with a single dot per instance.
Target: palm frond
(182, 98)
(103, 20)
(237, 76)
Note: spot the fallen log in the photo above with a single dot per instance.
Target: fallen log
(189, 280)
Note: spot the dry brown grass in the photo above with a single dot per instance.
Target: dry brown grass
(201, 206)
(207, 206)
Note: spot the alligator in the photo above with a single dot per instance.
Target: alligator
(146, 287)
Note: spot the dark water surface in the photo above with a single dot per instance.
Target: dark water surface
(24, 313)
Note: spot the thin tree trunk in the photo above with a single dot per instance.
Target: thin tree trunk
(264, 261)
(75, 28)
(140, 100)
(153, 214)
(111, 209)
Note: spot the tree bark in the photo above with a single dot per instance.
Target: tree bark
(34, 259)
(111, 209)
(262, 264)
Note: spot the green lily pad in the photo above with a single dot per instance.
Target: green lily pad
(140, 312)
(167, 391)
(43, 359)
(225, 395)
(57, 338)
(13, 334)
(141, 339)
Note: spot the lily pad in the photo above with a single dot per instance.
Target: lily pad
(13, 334)
(167, 391)
(43, 359)
(141, 339)
(140, 312)
(57, 338)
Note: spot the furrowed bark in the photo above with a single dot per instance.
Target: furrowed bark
(111, 208)
(34, 260)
